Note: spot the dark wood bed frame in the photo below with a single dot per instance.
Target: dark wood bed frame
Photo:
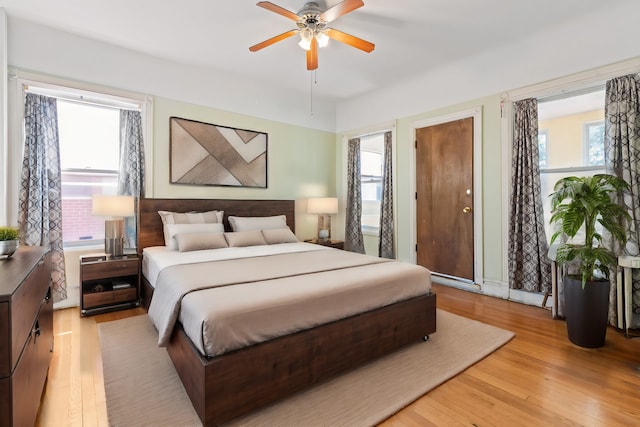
(233, 384)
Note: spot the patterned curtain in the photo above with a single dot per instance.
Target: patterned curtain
(40, 203)
(622, 157)
(385, 241)
(353, 240)
(131, 173)
(529, 267)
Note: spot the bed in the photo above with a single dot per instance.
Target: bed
(225, 383)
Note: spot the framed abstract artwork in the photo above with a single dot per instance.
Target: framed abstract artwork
(208, 154)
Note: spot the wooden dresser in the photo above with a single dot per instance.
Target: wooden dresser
(26, 334)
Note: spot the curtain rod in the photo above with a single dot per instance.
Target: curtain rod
(72, 95)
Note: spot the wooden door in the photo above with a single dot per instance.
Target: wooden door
(444, 193)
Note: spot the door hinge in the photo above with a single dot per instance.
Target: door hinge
(416, 247)
(416, 142)
(416, 195)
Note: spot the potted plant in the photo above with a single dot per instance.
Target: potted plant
(580, 204)
(8, 241)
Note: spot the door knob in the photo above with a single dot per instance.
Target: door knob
(466, 209)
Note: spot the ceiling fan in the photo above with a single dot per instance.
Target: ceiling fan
(312, 26)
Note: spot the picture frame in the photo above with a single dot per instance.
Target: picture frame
(209, 154)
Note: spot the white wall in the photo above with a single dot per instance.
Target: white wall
(38, 48)
(589, 41)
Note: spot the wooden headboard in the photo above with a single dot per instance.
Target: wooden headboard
(150, 231)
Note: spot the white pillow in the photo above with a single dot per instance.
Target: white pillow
(279, 235)
(173, 229)
(247, 223)
(167, 217)
(200, 241)
(245, 238)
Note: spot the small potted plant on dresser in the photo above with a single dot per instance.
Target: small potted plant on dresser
(8, 241)
(579, 204)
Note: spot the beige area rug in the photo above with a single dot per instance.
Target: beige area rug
(143, 389)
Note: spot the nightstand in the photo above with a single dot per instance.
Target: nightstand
(337, 244)
(108, 284)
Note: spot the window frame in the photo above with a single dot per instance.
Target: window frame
(371, 230)
(22, 81)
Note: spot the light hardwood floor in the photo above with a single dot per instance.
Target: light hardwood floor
(538, 379)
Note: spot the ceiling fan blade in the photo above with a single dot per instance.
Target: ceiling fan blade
(279, 10)
(312, 55)
(341, 9)
(350, 40)
(272, 40)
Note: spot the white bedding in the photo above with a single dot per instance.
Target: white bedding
(264, 292)
(155, 258)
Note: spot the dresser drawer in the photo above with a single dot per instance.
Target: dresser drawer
(5, 354)
(31, 371)
(101, 270)
(5, 403)
(25, 305)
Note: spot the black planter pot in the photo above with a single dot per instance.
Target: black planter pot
(586, 311)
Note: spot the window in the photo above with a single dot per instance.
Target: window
(89, 155)
(89, 143)
(594, 143)
(542, 148)
(371, 163)
(573, 138)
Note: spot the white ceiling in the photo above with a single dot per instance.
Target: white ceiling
(411, 36)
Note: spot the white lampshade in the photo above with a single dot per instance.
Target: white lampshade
(115, 206)
(323, 205)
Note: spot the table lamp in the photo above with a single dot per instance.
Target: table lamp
(117, 207)
(324, 207)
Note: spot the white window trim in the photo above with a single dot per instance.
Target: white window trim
(20, 80)
(565, 85)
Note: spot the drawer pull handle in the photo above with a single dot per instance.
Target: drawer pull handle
(35, 332)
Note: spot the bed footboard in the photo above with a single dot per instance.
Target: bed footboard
(233, 384)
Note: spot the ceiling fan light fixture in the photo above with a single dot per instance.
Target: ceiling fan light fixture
(305, 39)
(322, 38)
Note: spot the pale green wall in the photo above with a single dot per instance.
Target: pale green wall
(300, 160)
(491, 178)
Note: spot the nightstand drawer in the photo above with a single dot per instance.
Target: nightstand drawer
(101, 270)
(95, 299)
(123, 295)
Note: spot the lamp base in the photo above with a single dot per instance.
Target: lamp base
(114, 237)
(324, 227)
